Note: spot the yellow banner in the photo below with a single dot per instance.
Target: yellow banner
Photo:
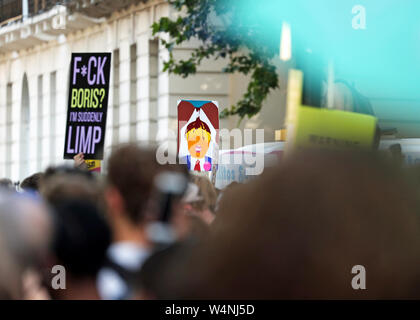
(328, 128)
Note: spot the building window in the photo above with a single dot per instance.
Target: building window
(133, 92)
(10, 10)
(24, 129)
(40, 112)
(153, 85)
(53, 115)
(9, 130)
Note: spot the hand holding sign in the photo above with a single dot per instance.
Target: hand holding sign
(87, 106)
(79, 161)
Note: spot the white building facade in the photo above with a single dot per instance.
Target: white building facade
(35, 53)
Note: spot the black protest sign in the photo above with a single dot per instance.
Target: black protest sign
(87, 105)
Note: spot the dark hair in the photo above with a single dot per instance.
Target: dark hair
(297, 231)
(32, 182)
(197, 124)
(153, 278)
(81, 237)
(207, 192)
(6, 183)
(63, 186)
(65, 169)
(131, 170)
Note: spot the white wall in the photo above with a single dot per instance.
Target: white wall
(142, 99)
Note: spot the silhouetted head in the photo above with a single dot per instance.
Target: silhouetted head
(299, 229)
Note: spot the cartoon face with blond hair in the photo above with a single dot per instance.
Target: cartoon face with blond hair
(198, 138)
(198, 125)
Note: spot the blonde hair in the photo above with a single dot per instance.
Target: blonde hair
(208, 133)
(198, 124)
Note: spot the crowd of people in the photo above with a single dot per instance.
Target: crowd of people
(148, 231)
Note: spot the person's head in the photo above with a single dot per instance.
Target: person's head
(297, 231)
(32, 183)
(152, 281)
(200, 198)
(81, 239)
(26, 223)
(225, 192)
(131, 173)
(81, 233)
(25, 235)
(61, 186)
(6, 183)
(66, 169)
(198, 137)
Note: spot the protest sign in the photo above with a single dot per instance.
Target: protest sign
(198, 134)
(93, 165)
(328, 128)
(229, 170)
(87, 105)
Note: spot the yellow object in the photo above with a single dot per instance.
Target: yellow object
(294, 100)
(93, 165)
(328, 128)
(280, 135)
(194, 133)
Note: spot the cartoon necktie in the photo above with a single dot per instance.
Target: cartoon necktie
(197, 166)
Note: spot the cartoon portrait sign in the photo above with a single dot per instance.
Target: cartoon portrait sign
(198, 134)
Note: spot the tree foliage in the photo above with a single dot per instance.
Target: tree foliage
(225, 30)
